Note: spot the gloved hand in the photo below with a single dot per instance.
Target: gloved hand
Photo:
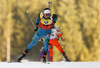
(59, 38)
(36, 29)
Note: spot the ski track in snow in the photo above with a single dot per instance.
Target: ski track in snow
(51, 65)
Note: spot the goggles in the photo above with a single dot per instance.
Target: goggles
(47, 14)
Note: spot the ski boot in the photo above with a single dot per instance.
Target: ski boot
(44, 57)
(67, 60)
(22, 56)
(51, 59)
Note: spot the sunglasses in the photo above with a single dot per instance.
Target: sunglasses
(47, 14)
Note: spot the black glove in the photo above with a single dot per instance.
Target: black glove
(36, 29)
(53, 26)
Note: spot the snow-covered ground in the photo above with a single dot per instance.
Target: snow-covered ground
(51, 65)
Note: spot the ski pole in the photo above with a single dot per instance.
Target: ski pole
(31, 20)
(62, 41)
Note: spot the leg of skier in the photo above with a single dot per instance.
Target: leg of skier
(34, 41)
(47, 37)
(58, 46)
(51, 52)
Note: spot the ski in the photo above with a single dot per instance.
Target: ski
(46, 62)
(14, 62)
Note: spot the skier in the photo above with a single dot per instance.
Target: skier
(54, 36)
(46, 20)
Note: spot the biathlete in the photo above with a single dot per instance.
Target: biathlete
(54, 36)
(46, 20)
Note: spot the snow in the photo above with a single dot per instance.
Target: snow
(51, 65)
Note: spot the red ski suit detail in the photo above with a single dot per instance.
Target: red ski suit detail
(57, 45)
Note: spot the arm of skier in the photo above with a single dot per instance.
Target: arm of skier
(37, 22)
(55, 18)
(59, 34)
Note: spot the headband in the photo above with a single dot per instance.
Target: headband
(46, 11)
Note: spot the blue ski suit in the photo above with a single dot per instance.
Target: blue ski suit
(44, 30)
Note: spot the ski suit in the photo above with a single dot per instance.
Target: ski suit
(54, 41)
(44, 30)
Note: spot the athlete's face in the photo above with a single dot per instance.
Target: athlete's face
(47, 15)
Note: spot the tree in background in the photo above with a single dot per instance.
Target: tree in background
(88, 14)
